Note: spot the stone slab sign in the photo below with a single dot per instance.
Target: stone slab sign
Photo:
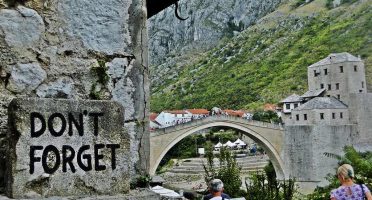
(66, 148)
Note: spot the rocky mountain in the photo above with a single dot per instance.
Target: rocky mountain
(268, 60)
(173, 42)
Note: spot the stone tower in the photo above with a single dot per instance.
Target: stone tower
(340, 74)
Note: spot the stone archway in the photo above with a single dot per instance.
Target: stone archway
(161, 144)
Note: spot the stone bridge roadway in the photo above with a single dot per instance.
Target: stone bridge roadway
(269, 136)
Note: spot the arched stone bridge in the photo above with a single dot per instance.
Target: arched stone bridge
(269, 136)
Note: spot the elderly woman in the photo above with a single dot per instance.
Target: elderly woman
(348, 189)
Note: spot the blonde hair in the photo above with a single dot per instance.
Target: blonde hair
(346, 171)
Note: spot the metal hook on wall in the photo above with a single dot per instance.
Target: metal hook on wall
(176, 12)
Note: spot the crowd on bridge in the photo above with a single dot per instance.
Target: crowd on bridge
(169, 118)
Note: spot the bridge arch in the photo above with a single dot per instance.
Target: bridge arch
(166, 143)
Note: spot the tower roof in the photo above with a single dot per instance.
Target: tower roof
(336, 58)
(322, 103)
(313, 93)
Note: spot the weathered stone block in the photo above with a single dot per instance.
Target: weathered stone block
(26, 77)
(67, 148)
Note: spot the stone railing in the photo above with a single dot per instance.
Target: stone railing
(216, 118)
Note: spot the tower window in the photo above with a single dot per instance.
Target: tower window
(355, 68)
(321, 86)
(305, 116)
(329, 87)
(297, 117)
(341, 115)
(360, 91)
(321, 115)
(325, 71)
(338, 97)
(362, 84)
(337, 86)
(315, 74)
(341, 69)
(333, 115)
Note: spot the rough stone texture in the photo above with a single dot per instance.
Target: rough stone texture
(26, 77)
(106, 16)
(68, 39)
(139, 194)
(22, 27)
(61, 88)
(361, 114)
(40, 183)
(304, 151)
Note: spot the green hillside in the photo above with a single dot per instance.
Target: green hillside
(269, 60)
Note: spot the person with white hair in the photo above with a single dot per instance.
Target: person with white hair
(348, 189)
(215, 187)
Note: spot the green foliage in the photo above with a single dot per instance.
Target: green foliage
(266, 116)
(229, 171)
(266, 64)
(329, 4)
(264, 186)
(100, 72)
(142, 181)
(362, 164)
(93, 94)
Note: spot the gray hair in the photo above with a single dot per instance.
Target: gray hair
(216, 185)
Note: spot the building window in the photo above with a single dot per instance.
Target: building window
(328, 95)
(287, 106)
(321, 115)
(295, 105)
(360, 91)
(341, 69)
(355, 68)
(362, 84)
(338, 97)
(325, 71)
(321, 86)
(329, 86)
(305, 116)
(341, 115)
(297, 117)
(337, 86)
(333, 115)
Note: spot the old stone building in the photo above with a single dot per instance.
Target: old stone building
(336, 111)
(339, 74)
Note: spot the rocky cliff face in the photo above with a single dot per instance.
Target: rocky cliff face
(208, 21)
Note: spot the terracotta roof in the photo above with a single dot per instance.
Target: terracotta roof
(198, 111)
(271, 107)
(175, 111)
(336, 58)
(237, 113)
(153, 116)
(292, 98)
(322, 103)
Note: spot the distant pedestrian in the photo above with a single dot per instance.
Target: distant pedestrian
(348, 189)
(215, 188)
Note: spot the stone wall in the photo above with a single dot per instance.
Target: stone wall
(78, 49)
(361, 114)
(304, 151)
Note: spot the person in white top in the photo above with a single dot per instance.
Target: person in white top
(216, 190)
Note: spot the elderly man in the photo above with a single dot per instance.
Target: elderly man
(216, 191)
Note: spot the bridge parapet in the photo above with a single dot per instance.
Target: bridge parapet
(216, 118)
